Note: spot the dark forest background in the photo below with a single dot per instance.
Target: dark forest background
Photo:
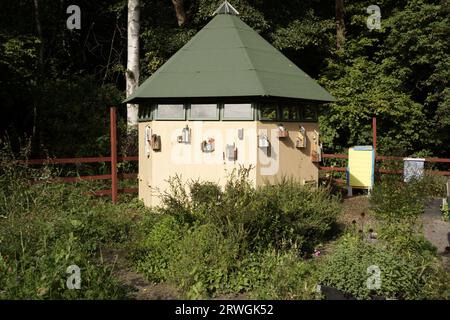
(56, 84)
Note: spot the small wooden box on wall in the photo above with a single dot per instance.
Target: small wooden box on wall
(156, 142)
(300, 143)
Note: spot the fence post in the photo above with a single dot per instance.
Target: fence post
(113, 138)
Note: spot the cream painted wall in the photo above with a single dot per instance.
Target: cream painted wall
(289, 161)
(188, 161)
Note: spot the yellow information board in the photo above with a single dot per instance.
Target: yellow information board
(361, 167)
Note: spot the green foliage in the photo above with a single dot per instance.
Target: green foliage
(212, 241)
(408, 263)
(46, 227)
(156, 248)
(204, 261)
(276, 215)
(398, 73)
(403, 274)
(401, 122)
(396, 201)
(62, 100)
(278, 275)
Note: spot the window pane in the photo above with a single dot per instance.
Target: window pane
(203, 111)
(290, 113)
(170, 111)
(238, 111)
(268, 112)
(310, 113)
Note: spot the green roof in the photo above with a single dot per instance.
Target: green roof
(227, 58)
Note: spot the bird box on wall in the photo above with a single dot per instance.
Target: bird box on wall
(282, 131)
(208, 145)
(185, 136)
(301, 138)
(316, 148)
(156, 142)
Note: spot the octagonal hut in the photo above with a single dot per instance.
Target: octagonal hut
(227, 99)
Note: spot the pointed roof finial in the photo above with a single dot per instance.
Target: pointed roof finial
(226, 8)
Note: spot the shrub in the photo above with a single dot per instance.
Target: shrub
(46, 227)
(394, 200)
(271, 274)
(295, 213)
(204, 261)
(403, 274)
(210, 240)
(283, 213)
(156, 249)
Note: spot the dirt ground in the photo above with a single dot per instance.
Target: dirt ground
(140, 288)
(355, 210)
(436, 230)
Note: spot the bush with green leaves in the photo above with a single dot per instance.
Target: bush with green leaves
(158, 244)
(403, 274)
(283, 213)
(204, 261)
(210, 240)
(394, 200)
(272, 274)
(46, 227)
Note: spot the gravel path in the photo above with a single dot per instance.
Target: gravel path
(436, 230)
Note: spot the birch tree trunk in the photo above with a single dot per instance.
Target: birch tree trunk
(340, 24)
(132, 73)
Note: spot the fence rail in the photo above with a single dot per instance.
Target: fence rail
(113, 159)
(76, 160)
(123, 176)
(384, 158)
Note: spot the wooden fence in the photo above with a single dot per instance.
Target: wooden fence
(382, 170)
(113, 159)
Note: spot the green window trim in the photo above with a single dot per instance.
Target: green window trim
(224, 118)
(215, 118)
(180, 118)
(145, 113)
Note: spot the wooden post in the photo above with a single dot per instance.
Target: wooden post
(448, 193)
(374, 133)
(113, 138)
(448, 188)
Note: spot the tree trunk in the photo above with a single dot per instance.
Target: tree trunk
(132, 73)
(340, 24)
(39, 31)
(180, 12)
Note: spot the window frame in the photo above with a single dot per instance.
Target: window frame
(298, 113)
(190, 117)
(316, 113)
(276, 119)
(157, 117)
(251, 118)
(145, 112)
